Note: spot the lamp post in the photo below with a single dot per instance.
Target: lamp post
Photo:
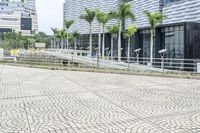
(106, 50)
(137, 51)
(87, 49)
(97, 56)
(162, 54)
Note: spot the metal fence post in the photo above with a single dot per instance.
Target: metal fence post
(162, 63)
(98, 65)
(128, 63)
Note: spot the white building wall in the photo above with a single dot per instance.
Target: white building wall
(11, 21)
(182, 11)
(138, 8)
(12, 12)
(73, 9)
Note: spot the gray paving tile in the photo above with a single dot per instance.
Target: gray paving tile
(45, 101)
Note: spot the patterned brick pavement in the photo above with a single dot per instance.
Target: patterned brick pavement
(45, 101)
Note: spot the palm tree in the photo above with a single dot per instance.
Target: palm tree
(76, 35)
(71, 39)
(98, 16)
(67, 24)
(124, 12)
(61, 35)
(55, 30)
(89, 16)
(58, 36)
(113, 31)
(154, 19)
(128, 34)
(103, 19)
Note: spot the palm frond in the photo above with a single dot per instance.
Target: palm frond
(76, 34)
(68, 23)
(88, 16)
(154, 18)
(114, 29)
(130, 31)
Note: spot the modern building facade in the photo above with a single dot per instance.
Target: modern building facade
(31, 2)
(179, 33)
(18, 16)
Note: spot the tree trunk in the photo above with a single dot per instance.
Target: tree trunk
(103, 44)
(119, 41)
(64, 43)
(62, 40)
(67, 39)
(151, 47)
(75, 44)
(90, 40)
(111, 46)
(129, 43)
(54, 42)
(58, 44)
(99, 41)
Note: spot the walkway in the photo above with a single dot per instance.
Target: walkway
(45, 101)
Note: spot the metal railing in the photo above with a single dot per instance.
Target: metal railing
(62, 58)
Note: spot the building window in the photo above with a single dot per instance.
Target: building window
(9, 19)
(170, 1)
(145, 42)
(173, 41)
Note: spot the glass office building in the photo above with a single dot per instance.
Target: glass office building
(179, 33)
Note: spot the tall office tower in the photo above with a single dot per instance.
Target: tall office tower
(18, 16)
(179, 33)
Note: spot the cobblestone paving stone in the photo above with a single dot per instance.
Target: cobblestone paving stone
(45, 101)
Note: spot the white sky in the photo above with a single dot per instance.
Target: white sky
(50, 14)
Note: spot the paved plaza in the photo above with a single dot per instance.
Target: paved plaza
(46, 101)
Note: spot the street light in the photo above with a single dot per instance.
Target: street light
(137, 51)
(162, 54)
(106, 50)
(97, 56)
